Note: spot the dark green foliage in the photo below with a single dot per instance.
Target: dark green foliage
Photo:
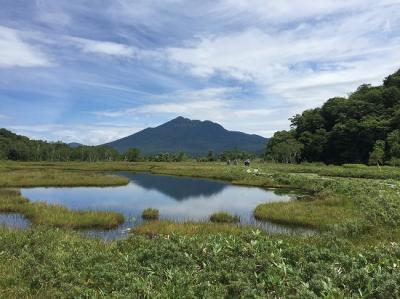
(284, 147)
(166, 157)
(345, 130)
(236, 154)
(20, 148)
(224, 217)
(378, 153)
(193, 137)
(150, 214)
(132, 155)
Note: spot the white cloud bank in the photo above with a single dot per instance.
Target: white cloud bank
(14, 52)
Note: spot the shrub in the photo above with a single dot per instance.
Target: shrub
(150, 214)
(224, 217)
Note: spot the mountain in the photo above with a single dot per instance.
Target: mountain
(193, 137)
(74, 144)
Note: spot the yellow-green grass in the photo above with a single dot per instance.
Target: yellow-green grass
(57, 178)
(40, 213)
(319, 213)
(315, 178)
(164, 227)
(217, 170)
(150, 214)
(224, 217)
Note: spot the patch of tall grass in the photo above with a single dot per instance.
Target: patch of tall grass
(224, 217)
(150, 214)
(53, 215)
(164, 227)
(48, 263)
(56, 178)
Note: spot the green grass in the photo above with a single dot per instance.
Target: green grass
(320, 214)
(164, 227)
(150, 214)
(47, 263)
(53, 215)
(355, 254)
(56, 178)
(224, 217)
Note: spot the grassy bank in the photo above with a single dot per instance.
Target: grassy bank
(356, 254)
(341, 195)
(162, 227)
(45, 177)
(38, 213)
(56, 264)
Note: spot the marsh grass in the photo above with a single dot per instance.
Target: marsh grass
(49, 263)
(150, 214)
(164, 227)
(356, 256)
(56, 178)
(320, 214)
(40, 213)
(224, 217)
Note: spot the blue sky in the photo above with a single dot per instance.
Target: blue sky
(94, 71)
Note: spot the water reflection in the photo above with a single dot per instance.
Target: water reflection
(177, 198)
(13, 221)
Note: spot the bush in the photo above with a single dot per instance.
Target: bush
(150, 214)
(224, 217)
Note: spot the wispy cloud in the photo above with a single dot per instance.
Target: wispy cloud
(103, 47)
(15, 52)
(248, 64)
(324, 59)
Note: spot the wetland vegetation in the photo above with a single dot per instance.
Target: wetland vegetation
(355, 253)
(150, 214)
(224, 217)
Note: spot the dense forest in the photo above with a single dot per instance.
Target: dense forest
(20, 148)
(362, 128)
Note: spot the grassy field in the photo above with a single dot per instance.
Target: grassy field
(39, 213)
(356, 253)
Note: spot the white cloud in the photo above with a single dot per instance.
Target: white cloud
(14, 52)
(304, 63)
(103, 47)
(287, 11)
(216, 104)
(86, 134)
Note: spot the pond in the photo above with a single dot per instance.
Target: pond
(177, 198)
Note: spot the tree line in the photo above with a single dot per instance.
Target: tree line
(361, 128)
(20, 148)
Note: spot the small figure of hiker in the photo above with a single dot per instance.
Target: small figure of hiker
(247, 162)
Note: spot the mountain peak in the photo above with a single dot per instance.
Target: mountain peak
(183, 121)
(194, 137)
(179, 119)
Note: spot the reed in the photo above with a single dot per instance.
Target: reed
(224, 217)
(57, 216)
(150, 214)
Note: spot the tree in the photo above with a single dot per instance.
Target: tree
(132, 155)
(378, 153)
(393, 144)
(283, 147)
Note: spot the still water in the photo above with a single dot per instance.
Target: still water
(177, 198)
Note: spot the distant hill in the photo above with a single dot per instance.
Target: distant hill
(193, 137)
(74, 144)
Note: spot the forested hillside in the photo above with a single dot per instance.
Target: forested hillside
(362, 128)
(21, 148)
